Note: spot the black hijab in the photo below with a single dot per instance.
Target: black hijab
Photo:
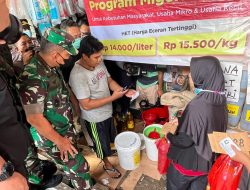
(207, 74)
(207, 112)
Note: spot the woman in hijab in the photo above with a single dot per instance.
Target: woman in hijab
(190, 152)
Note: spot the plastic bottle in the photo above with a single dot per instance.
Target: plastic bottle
(236, 107)
(54, 12)
(124, 122)
(44, 6)
(43, 27)
(118, 123)
(245, 118)
(130, 122)
(35, 12)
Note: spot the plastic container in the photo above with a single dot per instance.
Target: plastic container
(34, 11)
(244, 78)
(156, 115)
(128, 148)
(245, 118)
(151, 149)
(235, 110)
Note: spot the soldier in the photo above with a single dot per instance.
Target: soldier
(71, 28)
(40, 171)
(45, 98)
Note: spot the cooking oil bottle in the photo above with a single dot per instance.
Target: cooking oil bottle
(130, 122)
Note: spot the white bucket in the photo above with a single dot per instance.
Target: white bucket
(151, 149)
(128, 148)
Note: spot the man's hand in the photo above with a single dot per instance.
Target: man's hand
(159, 92)
(130, 93)
(2, 42)
(15, 182)
(66, 147)
(27, 56)
(118, 93)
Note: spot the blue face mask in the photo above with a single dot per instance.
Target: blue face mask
(28, 32)
(77, 43)
(197, 90)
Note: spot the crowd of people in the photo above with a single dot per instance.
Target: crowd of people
(43, 88)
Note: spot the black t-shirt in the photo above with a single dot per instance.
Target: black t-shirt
(14, 135)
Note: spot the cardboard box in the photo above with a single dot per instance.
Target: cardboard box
(240, 138)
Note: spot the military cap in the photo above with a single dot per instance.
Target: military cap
(61, 38)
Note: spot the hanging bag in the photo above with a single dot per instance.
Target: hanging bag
(163, 162)
(225, 174)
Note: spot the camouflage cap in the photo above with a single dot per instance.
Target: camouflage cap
(62, 39)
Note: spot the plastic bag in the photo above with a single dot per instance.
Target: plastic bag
(62, 9)
(225, 174)
(163, 162)
(70, 7)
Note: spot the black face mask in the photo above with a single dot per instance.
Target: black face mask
(72, 59)
(12, 33)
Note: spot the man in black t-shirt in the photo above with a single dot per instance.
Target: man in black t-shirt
(13, 135)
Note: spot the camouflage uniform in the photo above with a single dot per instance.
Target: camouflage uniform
(43, 86)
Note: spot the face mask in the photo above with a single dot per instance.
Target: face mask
(197, 90)
(64, 60)
(12, 33)
(28, 32)
(68, 62)
(77, 43)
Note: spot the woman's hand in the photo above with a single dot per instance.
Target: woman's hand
(174, 121)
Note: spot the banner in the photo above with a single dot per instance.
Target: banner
(170, 31)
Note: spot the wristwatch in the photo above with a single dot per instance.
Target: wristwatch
(7, 171)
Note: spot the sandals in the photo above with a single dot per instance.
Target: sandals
(113, 170)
